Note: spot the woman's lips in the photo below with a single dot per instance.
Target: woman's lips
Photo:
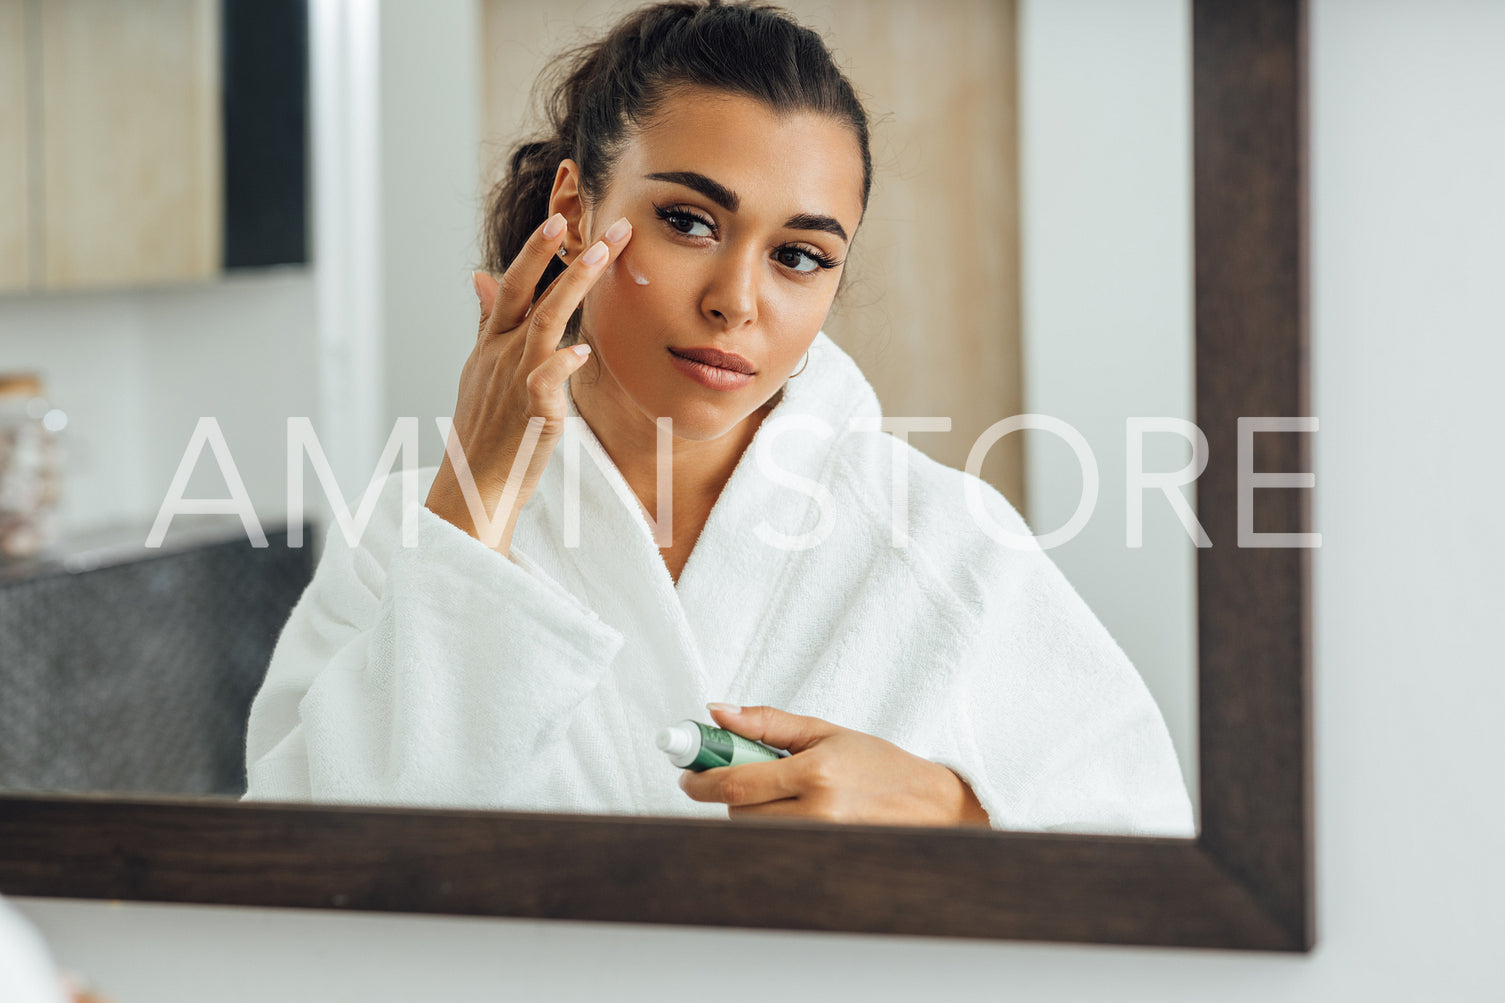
(715, 357)
(712, 376)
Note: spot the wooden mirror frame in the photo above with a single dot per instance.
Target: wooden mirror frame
(1245, 882)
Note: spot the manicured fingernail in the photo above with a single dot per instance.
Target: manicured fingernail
(475, 283)
(555, 226)
(596, 254)
(582, 349)
(618, 230)
(725, 708)
(684, 778)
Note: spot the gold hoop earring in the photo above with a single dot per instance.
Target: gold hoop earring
(801, 369)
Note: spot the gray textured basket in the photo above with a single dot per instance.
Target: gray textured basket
(138, 675)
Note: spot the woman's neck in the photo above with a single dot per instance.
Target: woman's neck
(700, 469)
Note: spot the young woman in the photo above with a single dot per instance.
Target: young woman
(741, 530)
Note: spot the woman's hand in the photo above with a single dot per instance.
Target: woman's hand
(511, 407)
(834, 774)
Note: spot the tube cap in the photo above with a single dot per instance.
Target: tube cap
(679, 742)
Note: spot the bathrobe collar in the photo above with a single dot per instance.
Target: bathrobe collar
(732, 577)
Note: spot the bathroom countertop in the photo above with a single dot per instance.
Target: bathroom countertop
(105, 546)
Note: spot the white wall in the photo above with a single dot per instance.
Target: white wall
(397, 126)
(1105, 148)
(430, 134)
(136, 369)
(1407, 345)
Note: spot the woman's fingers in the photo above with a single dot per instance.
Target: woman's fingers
(553, 310)
(747, 784)
(773, 726)
(520, 280)
(546, 380)
(789, 808)
(486, 290)
(548, 289)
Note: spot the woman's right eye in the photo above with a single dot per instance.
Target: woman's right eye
(682, 221)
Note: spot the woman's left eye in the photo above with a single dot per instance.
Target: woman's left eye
(817, 262)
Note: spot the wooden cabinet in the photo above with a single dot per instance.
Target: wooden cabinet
(15, 214)
(110, 170)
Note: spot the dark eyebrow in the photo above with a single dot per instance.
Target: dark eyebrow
(730, 200)
(811, 221)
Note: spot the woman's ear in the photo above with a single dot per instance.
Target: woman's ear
(565, 198)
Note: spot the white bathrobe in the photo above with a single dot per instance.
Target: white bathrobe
(445, 674)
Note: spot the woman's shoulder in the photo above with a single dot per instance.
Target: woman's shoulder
(376, 528)
(950, 524)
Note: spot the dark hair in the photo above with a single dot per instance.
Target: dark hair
(603, 89)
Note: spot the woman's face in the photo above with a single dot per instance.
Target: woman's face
(741, 222)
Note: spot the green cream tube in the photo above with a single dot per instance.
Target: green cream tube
(691, 745)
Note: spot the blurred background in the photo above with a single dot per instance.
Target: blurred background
(257, 211)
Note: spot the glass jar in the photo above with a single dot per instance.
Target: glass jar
(30, 466)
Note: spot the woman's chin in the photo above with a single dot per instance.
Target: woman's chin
(706, 421)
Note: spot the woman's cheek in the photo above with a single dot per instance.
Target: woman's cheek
(634, 272)
(626, 273)
(612, 296)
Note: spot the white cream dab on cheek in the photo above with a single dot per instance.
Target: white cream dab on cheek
(637, 276)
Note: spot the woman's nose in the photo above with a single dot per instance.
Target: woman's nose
(732, 296)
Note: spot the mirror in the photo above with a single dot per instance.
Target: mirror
(309, 359)
(909, 318)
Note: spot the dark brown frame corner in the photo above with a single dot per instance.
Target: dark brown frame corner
(1245, 882)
